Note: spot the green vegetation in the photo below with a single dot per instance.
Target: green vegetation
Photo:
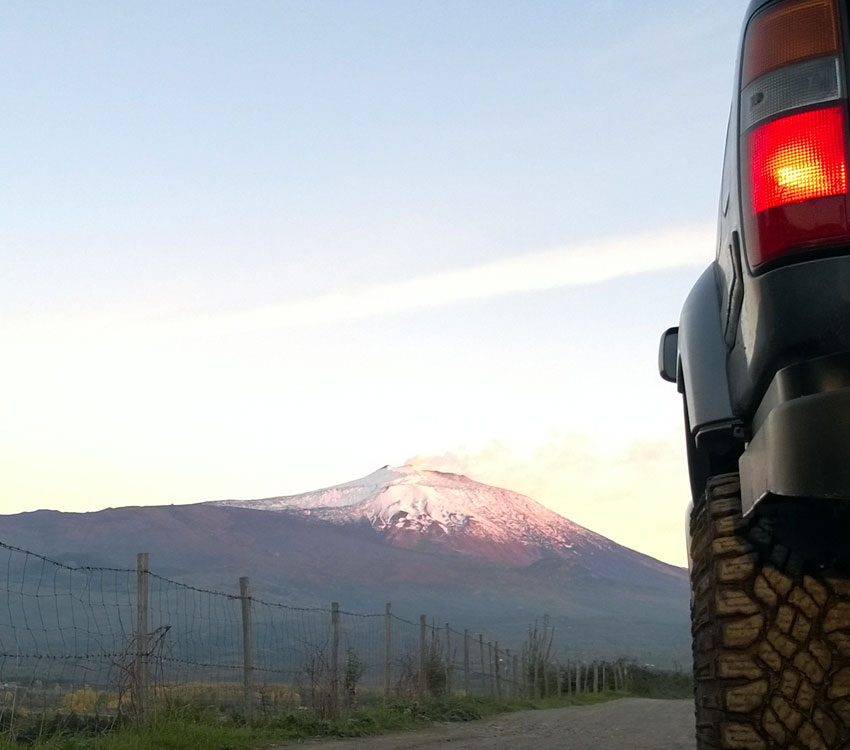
(185, 727)
(649, 682)
(193, 730)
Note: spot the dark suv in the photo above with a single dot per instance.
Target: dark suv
(762, 358)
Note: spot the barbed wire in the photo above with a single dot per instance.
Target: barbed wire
(71, 636)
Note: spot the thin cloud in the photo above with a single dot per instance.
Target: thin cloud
(580, 265)
(568, 266)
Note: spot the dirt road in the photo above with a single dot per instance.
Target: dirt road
(627, 724)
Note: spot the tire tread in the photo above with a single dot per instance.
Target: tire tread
(771, 634)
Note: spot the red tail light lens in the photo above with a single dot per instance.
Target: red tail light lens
(798, 158)
(797, 184)
(793, 121)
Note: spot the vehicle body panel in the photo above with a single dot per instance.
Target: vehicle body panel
(741, 327)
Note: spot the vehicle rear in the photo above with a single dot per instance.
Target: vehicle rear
(783, 251)
(762, 358)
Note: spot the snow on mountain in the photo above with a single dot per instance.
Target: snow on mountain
(408, 503)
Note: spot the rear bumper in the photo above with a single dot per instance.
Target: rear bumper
(802, 446)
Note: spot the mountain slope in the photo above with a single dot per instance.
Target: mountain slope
(475, 556)
(415, 507)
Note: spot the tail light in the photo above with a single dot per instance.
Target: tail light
(793, 124)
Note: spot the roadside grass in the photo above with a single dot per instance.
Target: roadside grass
(649, 682)
(189, 728)
(194, 730)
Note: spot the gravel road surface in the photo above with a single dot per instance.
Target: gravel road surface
(626, 724)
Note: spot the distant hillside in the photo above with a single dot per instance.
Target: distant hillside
(442, 545)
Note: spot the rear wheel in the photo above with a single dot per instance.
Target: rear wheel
(770, 622)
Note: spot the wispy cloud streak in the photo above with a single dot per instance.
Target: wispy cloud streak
(580, 265)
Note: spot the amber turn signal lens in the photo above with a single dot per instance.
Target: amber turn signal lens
(790, 32)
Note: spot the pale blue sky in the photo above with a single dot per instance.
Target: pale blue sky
(254, 248)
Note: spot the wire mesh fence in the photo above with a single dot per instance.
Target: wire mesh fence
(125, 641)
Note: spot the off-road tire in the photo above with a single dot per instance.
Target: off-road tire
(770, 618)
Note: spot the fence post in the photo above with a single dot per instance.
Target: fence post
(536, 686)
(388, 655)
(483, 671)
(466, 661)
(247, 648)
(142, 629)
(490, 668)
(515, 676)
(578, 678)
(498, 674)
(422, 627)
(508, 677)
(558, 678)
(524, 682)
(334, 697)
(449, 661)
(595, 677)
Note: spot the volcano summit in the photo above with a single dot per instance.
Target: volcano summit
(427, 541)
(414, 507)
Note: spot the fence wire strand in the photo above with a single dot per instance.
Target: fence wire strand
(70, 640)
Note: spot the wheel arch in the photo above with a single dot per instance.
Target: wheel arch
(702, 357)
(713, 432)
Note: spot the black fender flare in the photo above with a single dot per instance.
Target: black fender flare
(702, 373)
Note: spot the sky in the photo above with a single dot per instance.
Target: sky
(259, 248)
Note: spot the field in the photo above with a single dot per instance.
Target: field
(199, 716)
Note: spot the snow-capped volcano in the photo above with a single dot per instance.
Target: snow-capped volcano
(409, 504)
(429, 542)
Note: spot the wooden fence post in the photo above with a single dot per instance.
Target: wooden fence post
(140, 676)
(247, 649)
(434, 654)
(483, 672)
(466, 661)
(498, 674)
(388, 651)
(334, 697)
(516, 675)
(535, 687)
(423, 624)
(578, 678)
(524, 682)
(490, 668)
(595, 677)
(558, 678)
(449, 660)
